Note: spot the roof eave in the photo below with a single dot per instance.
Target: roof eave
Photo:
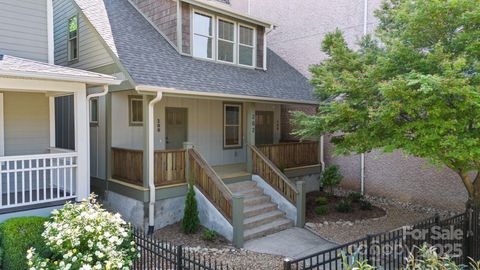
(178, 92)
(61, 77)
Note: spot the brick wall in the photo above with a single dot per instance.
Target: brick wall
(162, 13)
(186, 28)
(260, 34)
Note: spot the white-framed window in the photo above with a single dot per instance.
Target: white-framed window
(226, 40)
(135, 110)
(94, 111)
(203, 38)
(72, 36)
(232, 125)
(223, 40)
(246, 45)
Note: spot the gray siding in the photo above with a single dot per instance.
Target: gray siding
(23, 29)
(92, 52)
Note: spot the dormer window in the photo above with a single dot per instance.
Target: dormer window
(202, 35)
(232, 42)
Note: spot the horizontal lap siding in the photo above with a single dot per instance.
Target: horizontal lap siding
(92, 52)
(23, 29)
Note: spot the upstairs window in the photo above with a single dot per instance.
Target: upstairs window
(246, 45)
(135, 110)
(72, 38)
(202, 35)
(226, 41)
(232, 125)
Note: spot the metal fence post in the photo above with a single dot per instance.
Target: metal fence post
(369, 246)
(466, 235)
(237, 220)
(301, 204)
(179, 258)
(286, 264)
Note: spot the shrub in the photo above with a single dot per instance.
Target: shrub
(209, 235)
(190, 221)
(344, 206)
(321, 210)
(85, 236)
(321, 200)
(365, 205)
(330, 177)
(17, 236)
(355, 197)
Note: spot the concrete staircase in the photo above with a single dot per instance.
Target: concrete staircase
(262, 216)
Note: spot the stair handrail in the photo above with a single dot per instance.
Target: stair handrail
(276, 170)
(226, 209)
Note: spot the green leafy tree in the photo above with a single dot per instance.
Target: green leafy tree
(413, 86)
(330, 178)
(190, 221)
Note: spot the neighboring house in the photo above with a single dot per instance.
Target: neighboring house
(301, 26)
(201, 90)
(43, 115)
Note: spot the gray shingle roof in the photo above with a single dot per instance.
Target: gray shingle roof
(11, 65)
(151, 60)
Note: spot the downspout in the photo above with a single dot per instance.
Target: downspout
(151, 157)
(89, 98)
(50, 38)
(362, 156)
(322, 151)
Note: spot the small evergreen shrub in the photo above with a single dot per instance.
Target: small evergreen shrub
(17, 236)
(330, 178)
(209, 235)
(355, 197)
(344, 206)
(321, 200)
(365, 205)
(321, 210)
(190, 221)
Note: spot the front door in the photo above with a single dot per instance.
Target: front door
(176, 127)
(263, 127)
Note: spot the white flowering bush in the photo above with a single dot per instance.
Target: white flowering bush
(85, 236)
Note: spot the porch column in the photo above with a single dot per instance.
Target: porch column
(108, 135)
(81, 144)
(51, 104)
(146, 133)
(250, 140)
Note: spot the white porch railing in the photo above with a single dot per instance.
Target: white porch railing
(35, 179)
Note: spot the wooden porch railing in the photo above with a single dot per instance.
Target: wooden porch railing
(263, 167)
(291, 155)
(170, 166)
(127, 165)
(211, 185)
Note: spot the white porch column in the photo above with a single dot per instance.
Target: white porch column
(250, 140)
(81, 144)
(2, 127)
(51, 104)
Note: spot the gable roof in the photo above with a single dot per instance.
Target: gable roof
(19, 67)
(151, 61)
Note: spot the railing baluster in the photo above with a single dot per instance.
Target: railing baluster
(30, 179)
(15, 194)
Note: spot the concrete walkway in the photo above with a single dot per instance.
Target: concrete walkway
(292, 243)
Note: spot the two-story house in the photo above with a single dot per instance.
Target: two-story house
(43, 114)
(201, 100)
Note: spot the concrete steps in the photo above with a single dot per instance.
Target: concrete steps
(261, 216)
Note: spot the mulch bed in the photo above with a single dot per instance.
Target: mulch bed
(173, 234)
(333, 215)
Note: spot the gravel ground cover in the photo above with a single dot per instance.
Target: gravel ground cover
(220, 249)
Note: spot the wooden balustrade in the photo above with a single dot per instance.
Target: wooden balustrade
(210, 184)
(127, 166)
(265, 168)
(169, 167)
(291, 155)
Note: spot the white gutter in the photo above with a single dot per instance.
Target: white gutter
(151, 146)
(322, 159)
(89, 98)
(50, 41)
(362, 156)
(176, 92)
(61, 77)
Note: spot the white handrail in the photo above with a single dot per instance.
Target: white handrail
(38, 156)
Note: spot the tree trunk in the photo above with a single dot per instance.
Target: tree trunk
(473, 189)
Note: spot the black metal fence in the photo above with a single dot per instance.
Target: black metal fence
(457, 236)
(162, 255)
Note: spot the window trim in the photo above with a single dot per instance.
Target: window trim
(234, 42)
(130, 111)
(77, 37)
(254, 46)
(213, 37)
(240, 125)
(92, 102)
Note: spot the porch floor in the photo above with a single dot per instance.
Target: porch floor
(231, 171)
